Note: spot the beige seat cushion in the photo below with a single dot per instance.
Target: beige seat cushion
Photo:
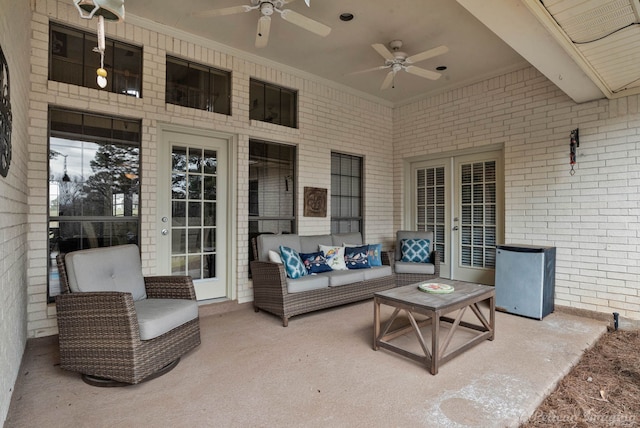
(159, 316)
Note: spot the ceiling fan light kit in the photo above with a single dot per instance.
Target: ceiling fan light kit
(267, 9)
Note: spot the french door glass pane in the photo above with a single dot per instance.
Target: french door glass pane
(478, 214)
(194, 220)
(430, 205)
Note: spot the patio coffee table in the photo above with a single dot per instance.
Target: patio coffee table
(413, 301)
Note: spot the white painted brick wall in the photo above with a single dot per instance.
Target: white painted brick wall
(14, 40)
(593, 217)
(329, 119)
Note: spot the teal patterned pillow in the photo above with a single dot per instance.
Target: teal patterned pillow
(292, 263)
(375, 254)
(415, 250)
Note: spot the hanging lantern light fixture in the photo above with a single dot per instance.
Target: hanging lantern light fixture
(111, 10)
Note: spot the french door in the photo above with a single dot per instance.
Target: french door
(460, 199)
(192, 211)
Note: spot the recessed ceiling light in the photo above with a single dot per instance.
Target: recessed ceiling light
(441, 67)
(346, 16)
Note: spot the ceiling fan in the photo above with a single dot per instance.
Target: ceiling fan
(396, 60)
(267, 8)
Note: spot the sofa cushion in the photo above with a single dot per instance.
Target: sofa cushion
(377, 272)
(274, 256)
(410, 267)
(354, 238)
(375, 254)
(311, 243)
(292, 263)
(356, 257)
(315, 262)
(343, 277)
(334, 256)
(115, 268)
(416, 250)
(410, 234)
(266, 242)
(306, 283)
(159, 316)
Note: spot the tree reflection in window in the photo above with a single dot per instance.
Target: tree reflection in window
(94, 179)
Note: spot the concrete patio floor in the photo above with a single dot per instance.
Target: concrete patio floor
(320, 371)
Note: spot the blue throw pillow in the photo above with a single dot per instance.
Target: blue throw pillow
(315, 262)
(416, 250)
(375, 254)
(292, 263)
(356, 257)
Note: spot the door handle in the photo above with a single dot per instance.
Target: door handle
(454, 228)
(164, 232)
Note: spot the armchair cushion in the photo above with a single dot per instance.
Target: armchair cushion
(106, 269)
(411, 234)
(416, 250)
(159, 316)
(415, 268)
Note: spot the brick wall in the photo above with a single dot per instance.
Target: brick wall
(330, 118)
(14, 40)
(593, 217)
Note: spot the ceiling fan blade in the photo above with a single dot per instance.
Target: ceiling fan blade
(387, 80)
(427, 54)
(383, 51)
(381, 67)
(308, 2)
(262, 33)
(224, 11)
(306, 23)
(427, 74)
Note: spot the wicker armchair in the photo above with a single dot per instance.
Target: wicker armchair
(409, 272)
(117, 337)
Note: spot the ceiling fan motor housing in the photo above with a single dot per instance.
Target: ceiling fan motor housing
(266, 8)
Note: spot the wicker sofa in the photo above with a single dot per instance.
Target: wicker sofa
(275, 293)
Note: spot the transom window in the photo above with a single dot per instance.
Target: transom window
(346, 193)
(198, 86)
(94, 176)
(273, 104)
(72, 60)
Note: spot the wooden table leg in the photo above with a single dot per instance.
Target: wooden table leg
(376, 322)
(435, 345)
(492, 316)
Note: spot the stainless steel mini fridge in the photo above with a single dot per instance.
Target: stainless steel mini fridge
(525, 280)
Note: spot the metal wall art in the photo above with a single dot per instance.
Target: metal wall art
(5, 116)
(315, 202)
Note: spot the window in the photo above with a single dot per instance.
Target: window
(346, 193)
(198, 86)
(94, 171)
(72, 60)
(271, 189)
(274, 104)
